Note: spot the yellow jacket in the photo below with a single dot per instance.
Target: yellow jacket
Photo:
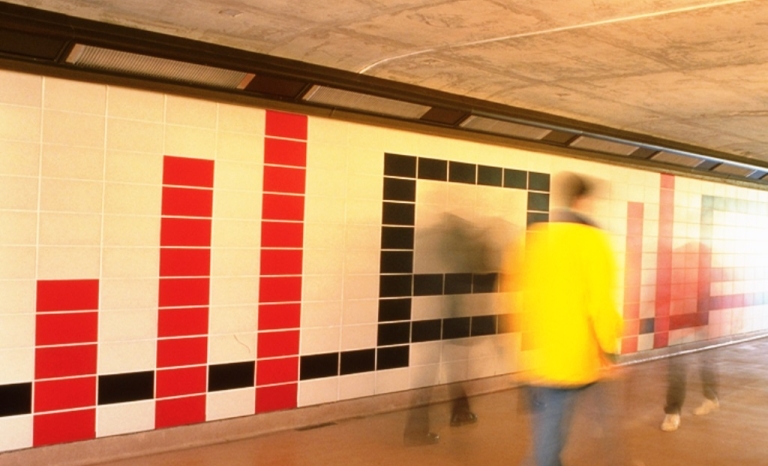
(563, 280)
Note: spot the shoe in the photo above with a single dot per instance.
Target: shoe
(430, 438)
(707, 407)
(671, 423)
(463, 418)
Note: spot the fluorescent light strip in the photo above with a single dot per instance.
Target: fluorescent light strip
(733, 170)
(102, 59)
(601, 145)
(506, 128)
(368, 103)
(677, 159)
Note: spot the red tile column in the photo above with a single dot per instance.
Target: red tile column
(664, 261)
(282, 239)
(185, 258)
(66, 333)
(633, 276)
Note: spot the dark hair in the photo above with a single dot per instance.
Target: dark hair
(574, 187)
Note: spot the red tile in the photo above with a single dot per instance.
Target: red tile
(179, 411)
(286, 125)
(184, 381)
(187, 202)
(284, 180)
(184, 292)
(274, 344)
(61, 394)
(185, 232)
(281, 261)
(285, 152)
(631, 310)
(65, 361)
(274, 371)
(279, 289)
(629, 345)
(282, 234)
(631, 327)
(175, 352)
(276, 398)
(667, 181)
(661, 340)
(67, 295)
(279, 316)
(282, 207)
(635, 210)
(661, 323)
(182, 322)
(68, 426)
(66, 328)
(185, 262)
(183, 171)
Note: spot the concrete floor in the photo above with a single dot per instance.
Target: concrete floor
(733, 435)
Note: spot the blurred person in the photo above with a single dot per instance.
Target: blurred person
(563, 280)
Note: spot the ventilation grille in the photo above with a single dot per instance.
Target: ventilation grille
(601, 145)
(733, 170)
(367, 103)
(101, 59)
(677, 159)
(506, 128)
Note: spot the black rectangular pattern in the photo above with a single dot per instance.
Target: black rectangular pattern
(122, 388)
(489, 176)
(538, 201)
(458, 283)
(398, 189)
(395, 286)
(456, 327)
(15, 399)
(426, 330)
(483, 325)
(355, 362)
(485, 283)
(392, 358)
(231, 376)
(505, 323)
(396, 261)
(431, 169)
(646, 326)
(400, 165)
(316, 366)
(394, 213)
(397, 238)
(462, 173)
(394, 309)
(515, 179)
(427, 285)
(394, 334)
(537, 217)
(538, 181)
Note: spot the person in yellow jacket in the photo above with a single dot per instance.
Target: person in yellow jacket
(563, 281)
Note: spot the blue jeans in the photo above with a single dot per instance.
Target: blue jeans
(551, 410)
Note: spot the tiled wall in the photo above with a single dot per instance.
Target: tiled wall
(169, 261)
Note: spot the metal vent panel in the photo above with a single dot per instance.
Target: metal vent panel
(367, 103)
(506, 128)
(733, 170)
(601, 145)
(102, 59)
(677, 159)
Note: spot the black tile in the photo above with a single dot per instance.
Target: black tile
(515, 179)
(426, 330)
(458, 283)
(431, 169)
(485, 282)
(462, 173)
(456, 327)
(490, 176)
(400, 165)
(646, 326)
(395, 286)
(538, 181)
(505, 323)
(395, 213)
(394, 309)
(392, 358)
(15, 399)
(397, 237)
(398, 189)
(538, 201)
(396, 261)
(394, 334)
(317, 366)
(355, 362)
(427, 285)
(483, 325)
(537, 217)
(231, 376)
(121, 388)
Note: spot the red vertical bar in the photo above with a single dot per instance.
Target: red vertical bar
(664, 260)
(633, 275)
(281, 261)
(185, 254)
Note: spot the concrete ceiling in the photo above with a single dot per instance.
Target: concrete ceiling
(689, 71)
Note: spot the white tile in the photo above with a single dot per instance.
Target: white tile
(241, 119)
(21, 88)
(19, 296)
(360, 311)
(73, 129)
(354, 337)
(233, 347)
(69, 262)
(17, 432)
(132, 167)
(425, 353)
(22, 124)
(75, 96)
(18, 228)
(64, 229)
(128, 293)
(324, 236)
(393, 380)
(319, 391)
(18, 262)
(230, 403)
(425, 376)
(135, 136)
(321, 313)
(82, 163)
(240, 147)
(133, 325)
(59, 195)
(318, 340)
(125, 418)
(362, 237)
(18, 365)
(19, 158)
(18, 193)
(323, 262)
(190, 112)
(232, 319)
(135, 104)
(127, 356)
(236, 233)
(239, 176)
(131, 230)
(245, 205)
(363, 211)
(130, 262)
(234, 290)
(188, 141)
(322, 288)
(322, 182)
(361, 286)
(325, 210)
(357, 385)
(17, 330)
(231, 262)
(362, 261)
